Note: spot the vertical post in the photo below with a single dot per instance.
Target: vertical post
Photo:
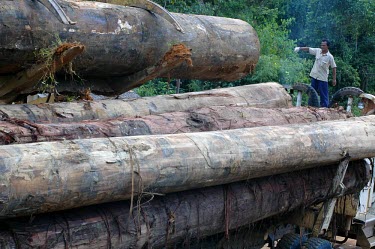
(299, 98)
(337, 188)
(178, 85)
(350, 103)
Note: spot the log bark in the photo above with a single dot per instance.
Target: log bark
(121, 41)
(61, 56)
(11, 87)
(203, 119)
(166, 222)
(41, 177)
(264, 95)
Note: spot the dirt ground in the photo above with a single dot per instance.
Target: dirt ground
(350, 244)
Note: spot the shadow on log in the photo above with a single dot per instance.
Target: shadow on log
(264, 95)
(158, 222)
(214, 118)
(42, 177)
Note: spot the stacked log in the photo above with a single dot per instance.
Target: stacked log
(123, 44)
(213, 118)
(264, 95)
(50, 176)
(169, 187)
(166, 221)
(42, 177)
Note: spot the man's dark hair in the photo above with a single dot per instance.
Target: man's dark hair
(326, 41)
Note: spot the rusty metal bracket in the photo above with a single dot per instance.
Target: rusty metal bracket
(55, 8)
(337, 189)
(149, 6)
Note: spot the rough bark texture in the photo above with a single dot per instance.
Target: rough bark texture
(264, 95)
(11, 87)
(121, 41)
(177, 55)
(180, 217)
(203, 119)
(41, 177)
(61, 56)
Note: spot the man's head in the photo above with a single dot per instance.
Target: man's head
(324, 45)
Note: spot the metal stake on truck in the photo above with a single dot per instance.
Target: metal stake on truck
(359, 217)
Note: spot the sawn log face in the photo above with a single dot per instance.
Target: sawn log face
(175, 218)
(41, 177)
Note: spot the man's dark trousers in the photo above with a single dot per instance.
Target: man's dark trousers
(321, 87)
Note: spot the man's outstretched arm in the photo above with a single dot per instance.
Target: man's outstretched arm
(297, 49)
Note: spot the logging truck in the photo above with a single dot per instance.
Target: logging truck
(225, 168)
(255, 170)
(357, 217)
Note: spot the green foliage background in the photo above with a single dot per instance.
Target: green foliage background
(283, 24)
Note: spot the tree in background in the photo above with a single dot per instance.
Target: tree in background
(349, 25)
(282, 24)
(277, 61)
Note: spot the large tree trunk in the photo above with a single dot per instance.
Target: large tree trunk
(12, 87)
(175, 218)
(203, 119)
(41, 177)
(121, 41)
(265, 95)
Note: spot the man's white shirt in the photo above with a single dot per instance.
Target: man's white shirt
(322, 63)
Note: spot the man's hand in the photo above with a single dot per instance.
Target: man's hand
(333, 82)
(296, 49)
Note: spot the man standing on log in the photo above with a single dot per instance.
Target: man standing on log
(319, 72)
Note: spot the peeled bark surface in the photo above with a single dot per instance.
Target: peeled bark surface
(177, 218)
(11, 88)
(121, 41)
(26, 79)
(264, 95)
(41, 177)
(203, 119)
